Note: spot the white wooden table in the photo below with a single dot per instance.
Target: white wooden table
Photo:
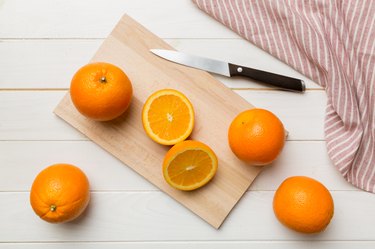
(43, 42)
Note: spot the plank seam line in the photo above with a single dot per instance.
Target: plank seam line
(88, 140)
(160, 191)
(231, 88)
(181, 241)
(104, 37)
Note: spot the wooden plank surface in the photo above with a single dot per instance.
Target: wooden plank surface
(39, 154)
(153, 216)
(197, 245)
(49, 58)
(304, 120)
(128, 47)
(43, 42)
(96, 18)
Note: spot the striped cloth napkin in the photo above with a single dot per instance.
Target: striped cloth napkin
(333, 43)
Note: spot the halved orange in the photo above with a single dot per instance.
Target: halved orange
(168, 117)
(189, 165)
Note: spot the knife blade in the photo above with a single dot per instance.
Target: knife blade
(231, 70)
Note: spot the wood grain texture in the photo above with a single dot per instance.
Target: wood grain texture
(96, 18)
(128, 47)
(42, 59)
(196, 245)
(31, 119)
(153, 216)
(106, 173)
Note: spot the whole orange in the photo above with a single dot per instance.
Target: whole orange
(60, 193)
(256, 136)
(303, 204)
(101, 91)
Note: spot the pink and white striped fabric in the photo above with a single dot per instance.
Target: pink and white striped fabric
(333, 43)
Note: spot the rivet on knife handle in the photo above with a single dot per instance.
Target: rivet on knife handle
(276, 80)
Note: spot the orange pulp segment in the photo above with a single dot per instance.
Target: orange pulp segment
(168, 117)
(189, 165)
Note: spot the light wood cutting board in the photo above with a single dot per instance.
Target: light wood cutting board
(215, 106)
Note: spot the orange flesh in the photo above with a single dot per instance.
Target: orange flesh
(190, 167)
(169, 117)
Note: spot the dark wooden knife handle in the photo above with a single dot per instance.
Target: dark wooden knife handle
(277, 80)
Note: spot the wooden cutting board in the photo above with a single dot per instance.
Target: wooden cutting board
(215, 106)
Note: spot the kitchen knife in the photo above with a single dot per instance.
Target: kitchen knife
(230, 70)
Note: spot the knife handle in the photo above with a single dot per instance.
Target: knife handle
(277, 80)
